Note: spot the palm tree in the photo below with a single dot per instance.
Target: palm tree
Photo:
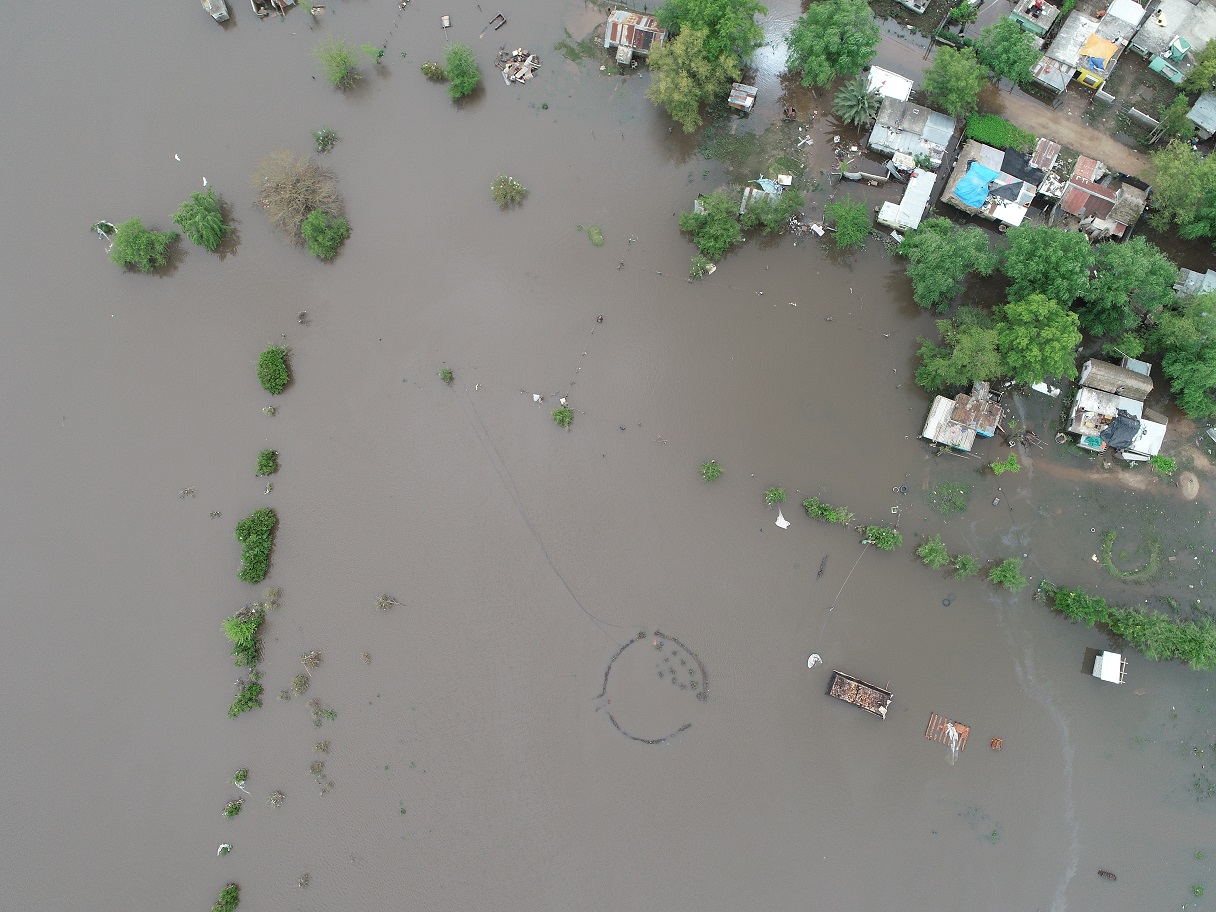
(855, 103)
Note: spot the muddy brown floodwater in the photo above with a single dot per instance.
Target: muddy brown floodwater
(473, 760)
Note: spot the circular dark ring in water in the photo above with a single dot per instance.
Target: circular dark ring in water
(903, 489)
(947, 600)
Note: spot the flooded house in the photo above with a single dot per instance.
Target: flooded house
(955, 423)
(1169, 37)
(876, 700)
(889, 84)
(996, 184)
(742, 97)
(1086, 49)
(1100, 208)
(632, 34)
(1203, 115)
(902, 126)
(1191, 282)
(1108, 412)
(906, 215)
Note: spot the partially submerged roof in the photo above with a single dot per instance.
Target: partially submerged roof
(940, 427)
(1193, 283)
(956, 422)
(889, 84)
(1110, 667)
(1111, 378)
(742, 97)
(906, 215)
(902, 126)
(639, 31)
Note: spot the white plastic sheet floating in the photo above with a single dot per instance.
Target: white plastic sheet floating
(952, 736)
(813, 660)
(782, 522)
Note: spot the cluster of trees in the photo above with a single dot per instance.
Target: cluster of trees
(1059, 286)
(134, 245)
(1184, 191)
(300, 197)
(718, 226)
(954, 80)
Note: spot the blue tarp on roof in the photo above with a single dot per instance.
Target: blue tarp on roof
(973, 188)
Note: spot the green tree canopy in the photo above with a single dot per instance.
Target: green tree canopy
(1184, 191)
(772, 216)
(852, 222)
(686, 77)
(1183, 336)
(1047, 261)
(832, 38)
(1037, 339)
(1202, 77)
(201, 220)
(143, 248)
(461, 67)
(940, 255)
(339, 61)
(1133, 279)
(730, 26)
(855, 104)
(968, 352)
(716, 228)
(953, 81)
(1008, 50)
(1173, 120)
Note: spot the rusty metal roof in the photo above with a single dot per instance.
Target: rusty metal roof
(635, 30)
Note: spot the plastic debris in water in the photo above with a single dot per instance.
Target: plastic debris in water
(813, 660)
(224, 849)
(782, 522)
(176, 157)
(537, 397)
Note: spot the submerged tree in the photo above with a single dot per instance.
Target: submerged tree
(833, 38)
(339, 61)
(772, 215)
(461, 68)
(954, 80)
(201, 220)
(687, 77)
(324, 234)
(1047, 261)
(855, 104)
(968, 352)
(1008, 51)
(291, 187)
(730, 26)
(1037, 339)
(1133, 279)
(852, 222)
(1182, 336)
(940, 256)
(715, 229)
(144, 248)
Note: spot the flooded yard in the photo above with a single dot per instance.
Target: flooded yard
(492, 740)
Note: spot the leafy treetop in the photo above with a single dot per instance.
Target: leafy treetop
(461, 68)
(852, 222)
(1133, 279)
(688, 76)
(1202, 77)
(833, 38)
(730, 26)
(144, 248)
(1182, 335)
(954, 80)
(1037, 339)
(716, 228)
(201, 220)
(1008, 51)
(968, 352)
(940, 255)
(1184, 191)
(1047, 261)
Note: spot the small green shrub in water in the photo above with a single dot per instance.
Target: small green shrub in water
(324, 234)
(711, 470)
(372, 53)
(1009, 465)
(1008, 574)
(244, 630)
(256, 533)
(230, 898)
(507, 191)
(699, 267)
(268, 462)
(201, 220)
(564, 416)
(273, 373)
(933, 553)
(884, 538)
(248, 697)
(594, 234)
(434, 72)
(143, 248)
(820, 510)
(338, 61)
(232, 808)
(461, 67)
(446, 375)
(325, 138)
(965, 565)
(774, 495)
(1197, 890)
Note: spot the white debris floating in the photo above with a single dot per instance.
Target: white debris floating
(782, 522)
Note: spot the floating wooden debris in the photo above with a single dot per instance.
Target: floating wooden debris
(496, 23)
(1107, 874)
(517, 65)
(856, 691)
(997, 743)
(939, 728)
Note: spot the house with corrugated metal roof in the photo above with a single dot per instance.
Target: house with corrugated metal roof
(956, 422)
(1087, 49)
(1103, 210)
(1191, 282)
(1035, 16)
(632, 33)
(1173, 33)
(996, 184)
(902, 126)
(1108, 411)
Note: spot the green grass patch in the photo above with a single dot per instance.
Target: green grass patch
(574, 51)
(884, 538)
(949, 498)
(774, 495)
(711, 470)
(965, 565)
(1147, 571)
(933, 553)
(594, 234)
(256, 534)
(564, 417)
(1008, 575)
(999, 133)
(825, 511)
(230, 898)
(248, 696)
(244, 630)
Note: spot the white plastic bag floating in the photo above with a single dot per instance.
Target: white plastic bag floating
(782, 522)
(813, 660)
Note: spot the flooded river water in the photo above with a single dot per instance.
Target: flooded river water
(477, 759)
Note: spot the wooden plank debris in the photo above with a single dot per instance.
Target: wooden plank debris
(518, 65)
(856, 691)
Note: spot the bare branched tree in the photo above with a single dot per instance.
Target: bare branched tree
(310, 660)
(385, 602)
(291, 186)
